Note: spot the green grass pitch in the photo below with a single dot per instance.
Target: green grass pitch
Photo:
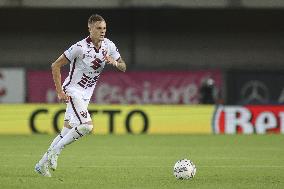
(146, 161)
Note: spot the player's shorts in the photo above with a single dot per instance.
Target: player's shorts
(77, 111)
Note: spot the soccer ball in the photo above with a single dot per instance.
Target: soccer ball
(184, 169)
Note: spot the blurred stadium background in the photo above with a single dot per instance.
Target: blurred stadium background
(227, 52)
(193, 67)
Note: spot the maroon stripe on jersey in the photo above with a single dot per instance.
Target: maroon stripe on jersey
(74, 109)
(117, 59)
(66, 57)
(97, 50)
(71, 75)
(88, 40)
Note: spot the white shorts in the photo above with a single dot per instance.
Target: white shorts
(77, 111)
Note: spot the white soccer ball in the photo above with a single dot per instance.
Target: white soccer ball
(184, 169)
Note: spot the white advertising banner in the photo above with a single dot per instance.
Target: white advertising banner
(12, 85)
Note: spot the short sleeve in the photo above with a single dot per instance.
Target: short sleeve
(113, 51)
(73, 52)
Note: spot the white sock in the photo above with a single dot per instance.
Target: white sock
(63, 132)
(74, 134)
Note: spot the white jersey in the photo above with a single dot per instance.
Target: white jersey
(86, 65)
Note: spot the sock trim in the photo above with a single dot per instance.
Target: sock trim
(78, 132)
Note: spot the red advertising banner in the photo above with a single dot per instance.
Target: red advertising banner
(40, 86)
(135, 87)
(251, 119)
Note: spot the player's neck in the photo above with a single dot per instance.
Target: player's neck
(97, 43)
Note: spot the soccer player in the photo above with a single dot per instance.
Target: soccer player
(87, 59)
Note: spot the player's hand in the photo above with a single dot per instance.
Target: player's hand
(110, 60)
(63, 97)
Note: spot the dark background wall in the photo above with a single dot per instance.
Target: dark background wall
(150, 38)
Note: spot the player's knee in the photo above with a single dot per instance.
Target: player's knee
(85, 128)
(89, 127)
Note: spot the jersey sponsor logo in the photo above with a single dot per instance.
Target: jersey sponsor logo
(88, 56)
(96, 63)
(87, 81)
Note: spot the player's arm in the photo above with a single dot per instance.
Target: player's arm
(56, 73)
(119, 64)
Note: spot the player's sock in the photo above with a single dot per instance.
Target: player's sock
(74, 134)
(63, 132)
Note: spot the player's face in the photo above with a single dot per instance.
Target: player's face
(97, 31)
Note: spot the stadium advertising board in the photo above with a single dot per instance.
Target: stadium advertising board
(131, 87)
(254, 87)
(251, 119)
(12, 85)
(110, 119)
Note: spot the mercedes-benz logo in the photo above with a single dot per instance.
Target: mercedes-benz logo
(254, 92)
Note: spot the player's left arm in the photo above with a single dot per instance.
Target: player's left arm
(113, 57)
(119, 64)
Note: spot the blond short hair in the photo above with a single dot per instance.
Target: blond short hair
(95, 18)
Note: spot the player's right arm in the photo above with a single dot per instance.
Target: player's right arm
(56, 74)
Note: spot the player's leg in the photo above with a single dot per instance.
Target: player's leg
(82, 125)
(63, 132)
(42, 166)
(73, 135)
(42, 170)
